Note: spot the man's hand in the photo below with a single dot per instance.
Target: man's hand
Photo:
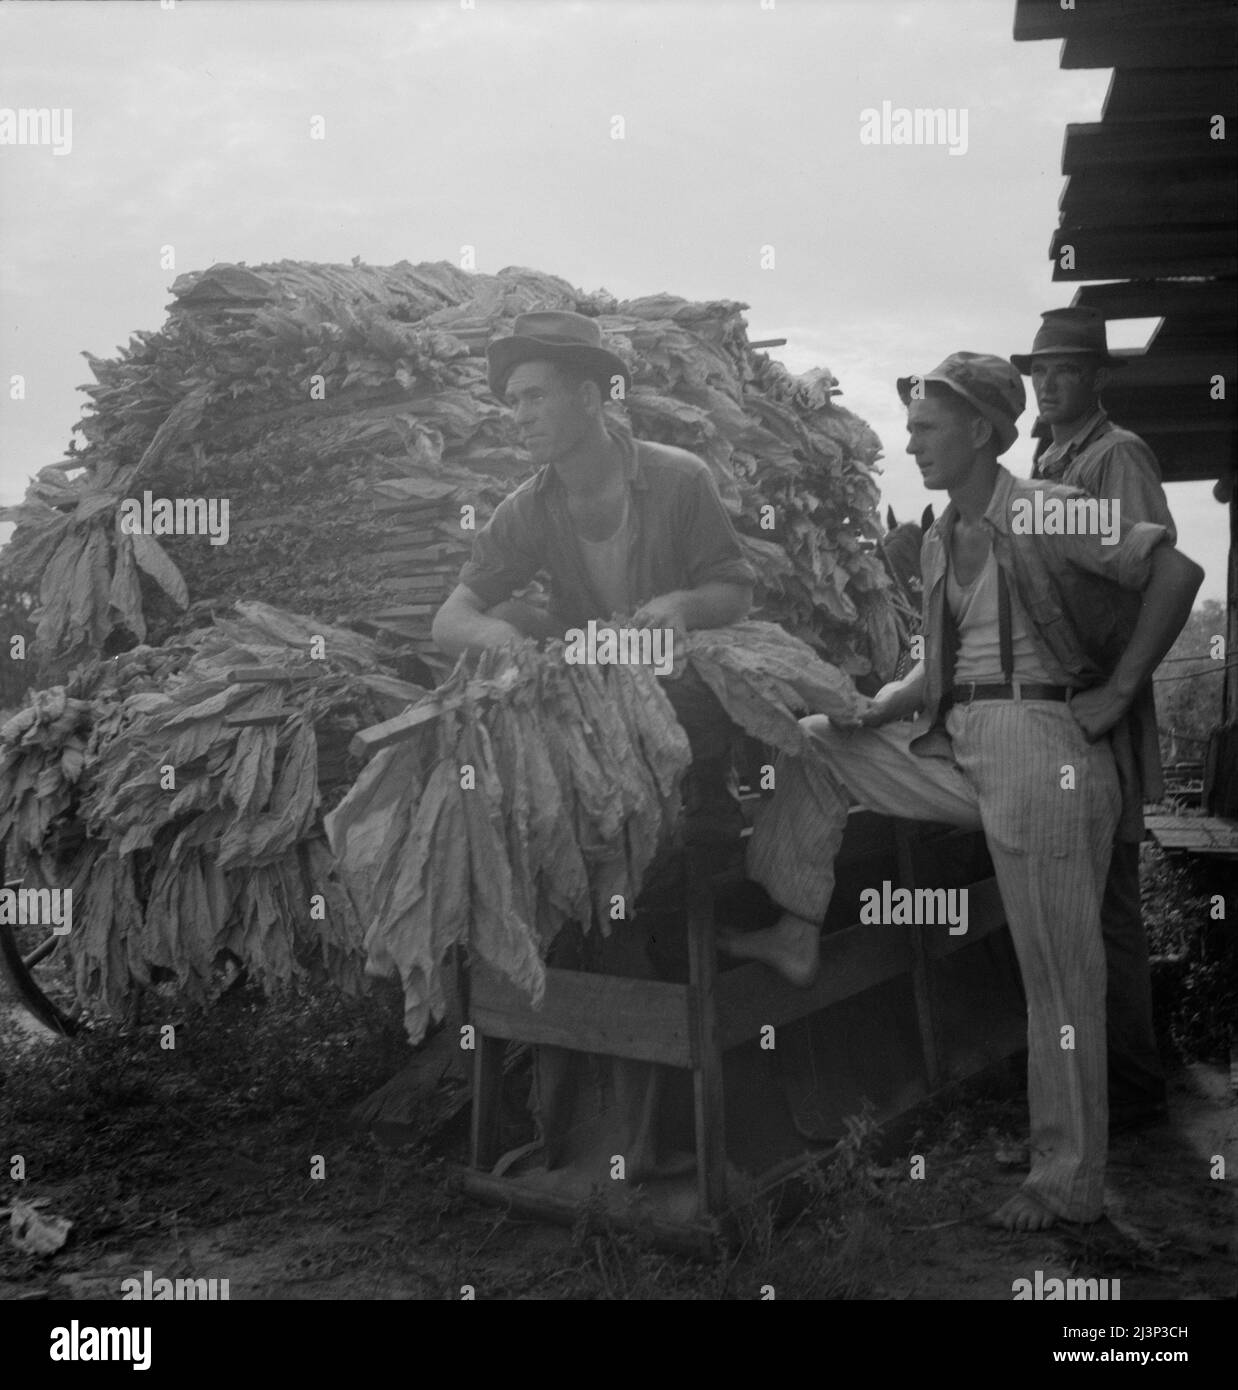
(1096, 711)
(666, 611)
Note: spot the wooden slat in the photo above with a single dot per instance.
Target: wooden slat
(852, 961)
(1157, 93)
(1145, 299)
(1195, 834)
(643, 1020)
(440, 506)
(1157, 195)
(985, 915)
(1176, 144)
(366, 743)
(921, 974)
(1175, 368)
(1046, 19)
(1113, 253)
(487, 1085)
(707, 1098)
(1181, 45)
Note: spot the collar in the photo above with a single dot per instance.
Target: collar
(1055, 453)
(996, 514)
(633, 470)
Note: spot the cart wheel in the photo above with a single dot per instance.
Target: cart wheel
(18, 971)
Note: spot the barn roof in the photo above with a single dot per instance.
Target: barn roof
(1150, 206)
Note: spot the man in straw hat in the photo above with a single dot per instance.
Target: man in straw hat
(1016, 694)
(1069, 366)
(622, 527)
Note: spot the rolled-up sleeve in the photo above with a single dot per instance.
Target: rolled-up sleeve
(1128, 563)
(715, 553)
(506, 554)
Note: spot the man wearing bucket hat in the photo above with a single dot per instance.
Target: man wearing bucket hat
(1015, 697)
(1069, 365)
(621, 526)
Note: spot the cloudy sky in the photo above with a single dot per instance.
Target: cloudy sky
(490, 125)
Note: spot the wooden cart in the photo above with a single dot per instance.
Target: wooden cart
(896, 1014)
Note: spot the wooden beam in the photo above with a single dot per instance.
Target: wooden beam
(709, 1115)
(1172, 44)
(1143, 253)
(643, 1020)
(1113, 146)
(1161, 195)
(1145, 299)
(1046, 19)
(1194, 459)
(1175, 368)
(1142, 94)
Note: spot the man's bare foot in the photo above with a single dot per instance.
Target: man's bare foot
(1022, 1212)
(792, 947)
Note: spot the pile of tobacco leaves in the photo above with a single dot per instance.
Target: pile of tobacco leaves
(192, 732)
(306, 394)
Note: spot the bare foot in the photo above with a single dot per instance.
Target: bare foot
(1022, 1212)
(792, 947)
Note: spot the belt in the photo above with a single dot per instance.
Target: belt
(1020, 690)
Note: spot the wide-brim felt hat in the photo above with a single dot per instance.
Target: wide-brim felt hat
(987, 383)
(553, 335)
(1065, 332)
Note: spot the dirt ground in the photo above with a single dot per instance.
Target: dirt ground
(196, 1163)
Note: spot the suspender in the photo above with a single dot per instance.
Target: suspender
(1004, 641)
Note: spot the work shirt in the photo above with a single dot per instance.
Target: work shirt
(679, 537)
(1083, 599)
(1110, 462)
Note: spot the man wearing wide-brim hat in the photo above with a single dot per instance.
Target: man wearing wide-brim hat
(620, 525)
(1069, 365)
(1013, 702)
(626, 530)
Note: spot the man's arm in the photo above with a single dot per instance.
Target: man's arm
(715, 603)
(461, 625)
(898, 700)
(1167, 602)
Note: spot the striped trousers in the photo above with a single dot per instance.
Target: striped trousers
(1048, 803)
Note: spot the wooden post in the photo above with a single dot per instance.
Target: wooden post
(921, 967)
(487, 1079)
(709, 1111)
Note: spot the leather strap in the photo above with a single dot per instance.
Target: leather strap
(1004, 640)
(1026, 690)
